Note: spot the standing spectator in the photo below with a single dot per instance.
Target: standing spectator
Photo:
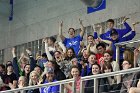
(73, 41)
(121, 32)
(74, 73)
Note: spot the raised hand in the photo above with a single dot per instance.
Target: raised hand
(80, 21)
(61, 23)
(124, 19)
(28, 51)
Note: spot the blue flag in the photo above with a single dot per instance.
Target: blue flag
(96, 5)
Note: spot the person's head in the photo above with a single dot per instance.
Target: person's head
(27, 68)
(110, 23)
(74, 61)
(101, 47)
(57, 55)
(23, 62)
(70, 52)
(9, 68)
(92, 58)
(8, 62)
(96, 69)
(108, 56)
(90, 39)
(22, 81)
(38, 70)
(50, 74)
(107, 67)
(44, 56)
(74, 72)
(128, 55)
(71, 32)
(85, 53)
(114, 34)
(34, 77)
(2, 68)
(126, 64)
(51, 40)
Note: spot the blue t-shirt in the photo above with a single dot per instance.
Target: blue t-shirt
(50, 89)
(74, 43)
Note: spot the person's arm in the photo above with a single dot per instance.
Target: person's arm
(15, 63)
(47, 51)
(62, 46)
(82, 28)
(60, 31)
(32, 60)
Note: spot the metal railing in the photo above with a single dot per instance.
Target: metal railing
(83, 79)
(61, 83)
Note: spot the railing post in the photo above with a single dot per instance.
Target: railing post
(117, 54)
(95, 85)
(82, 86)
(62, 88)
(74, 86)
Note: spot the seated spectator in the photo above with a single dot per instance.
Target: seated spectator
(34, 80)
(70, 54)
(73, 41)
(111, 82)
(10, 77)
(50, 77)
(128, 80)
(89, 87)
(87, 69)
(101, 48)
(74, 73)
(59, 75)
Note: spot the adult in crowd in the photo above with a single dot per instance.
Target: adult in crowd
(73, 41)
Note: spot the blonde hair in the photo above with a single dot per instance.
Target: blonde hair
(31, 81)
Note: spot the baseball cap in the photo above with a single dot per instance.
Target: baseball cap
(113, 32)
(50, 70)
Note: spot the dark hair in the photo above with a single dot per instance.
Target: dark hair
(72, 29)
(2, 66)
(97, 65)
(69, 58)
(58, 52)
(44, 55)
(101, 44)
(110, 53)
(52, 39)
(107, 65)
(74, 66)
(113, 32)
(110, 20)
(91, 36)
(56, 66)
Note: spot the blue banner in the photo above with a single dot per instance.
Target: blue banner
(96, 5)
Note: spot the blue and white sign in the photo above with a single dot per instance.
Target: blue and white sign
(95, 5)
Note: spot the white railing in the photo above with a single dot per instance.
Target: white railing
(83, 79)
(61, 83)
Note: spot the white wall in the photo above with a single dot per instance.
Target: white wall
(35, 19)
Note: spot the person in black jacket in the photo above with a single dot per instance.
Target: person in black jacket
(89, 86)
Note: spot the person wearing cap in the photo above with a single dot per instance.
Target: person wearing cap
(116, 39)
(50, 77)
(73, 41)
(121, 32)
